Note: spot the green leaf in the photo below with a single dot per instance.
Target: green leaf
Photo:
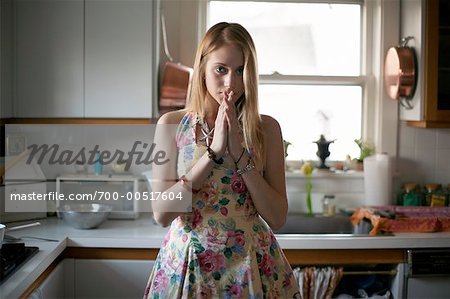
(272, 252)
(229, 224)
(192, 265)
(198, 248)
(224, 201)
(192, 278)
(212, 222)
(216, 275)
(226, 180)
(258, 257)
(241, 199)
(228, 253)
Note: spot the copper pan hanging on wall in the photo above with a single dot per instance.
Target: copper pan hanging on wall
(400, 75)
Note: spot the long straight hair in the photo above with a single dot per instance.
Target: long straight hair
(246, 106)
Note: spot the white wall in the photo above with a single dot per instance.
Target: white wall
(424, 155)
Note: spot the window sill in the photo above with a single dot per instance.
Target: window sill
(327, 174)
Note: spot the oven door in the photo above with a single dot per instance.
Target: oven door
(428, 287)
(428, 273)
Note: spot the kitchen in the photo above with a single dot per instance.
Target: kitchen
(421, 153)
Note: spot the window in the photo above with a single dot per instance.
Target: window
(309, 59)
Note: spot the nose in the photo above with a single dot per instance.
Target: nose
(230, 80)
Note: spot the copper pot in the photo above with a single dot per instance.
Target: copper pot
(400, 72)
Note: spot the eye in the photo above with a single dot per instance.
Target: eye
(221, 70)
(240, 71)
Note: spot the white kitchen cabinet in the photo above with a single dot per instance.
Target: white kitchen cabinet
(6, 58)
(102, 278)
(49, 58)
(118, 58)
(423, 20)
(85, 58)
(58, 284)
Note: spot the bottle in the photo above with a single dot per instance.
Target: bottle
(328, 205)
(400, 194)
(98, 166)
(429, 190)
(412, 196)
(437, 195)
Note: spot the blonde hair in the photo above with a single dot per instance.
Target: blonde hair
(247, 106)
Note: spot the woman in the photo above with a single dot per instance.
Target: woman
(233, 159)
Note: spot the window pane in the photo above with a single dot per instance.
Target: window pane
(298, 38)
(306, 112)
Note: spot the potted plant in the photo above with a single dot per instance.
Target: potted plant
(365, 150)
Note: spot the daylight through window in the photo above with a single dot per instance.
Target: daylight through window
(309, 60)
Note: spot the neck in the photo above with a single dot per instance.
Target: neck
(211, 109)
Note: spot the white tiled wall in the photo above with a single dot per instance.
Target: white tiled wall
(424, 155)
(348, 191)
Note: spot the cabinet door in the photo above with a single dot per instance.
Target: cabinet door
(98, 278)
(431, 102)
(438, 62)
(118, 58)
(6, 58)
(49, 58)
(58, 284)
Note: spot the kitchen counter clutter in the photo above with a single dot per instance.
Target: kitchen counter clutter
(144, 234)
(395, 219)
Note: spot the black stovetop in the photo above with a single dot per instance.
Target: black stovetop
(12, 257)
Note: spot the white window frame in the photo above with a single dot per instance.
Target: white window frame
(380, 30)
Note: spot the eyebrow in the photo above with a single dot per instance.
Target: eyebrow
(224, 64)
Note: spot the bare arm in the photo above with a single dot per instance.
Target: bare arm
(268, 191)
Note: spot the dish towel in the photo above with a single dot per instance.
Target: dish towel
(317, 282)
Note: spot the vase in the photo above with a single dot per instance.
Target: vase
(322, 150)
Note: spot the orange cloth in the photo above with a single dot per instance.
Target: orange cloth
(407, 219)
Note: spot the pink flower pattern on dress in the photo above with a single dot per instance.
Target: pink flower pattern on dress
(235, 291)
(238, 237)
(211, 261)
(267, 264)
(196, 218)
(237, 184)
(161, 281)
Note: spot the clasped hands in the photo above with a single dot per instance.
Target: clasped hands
(226, 132)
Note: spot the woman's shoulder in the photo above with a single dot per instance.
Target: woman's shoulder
(269, 123)
(172, 117)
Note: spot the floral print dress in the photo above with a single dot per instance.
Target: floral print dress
(223, 249)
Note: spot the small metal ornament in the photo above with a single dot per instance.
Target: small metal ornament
(322, 150)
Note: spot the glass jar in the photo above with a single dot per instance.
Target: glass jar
(429, 190)
(413, 195)
(435, 196)
(328, 205)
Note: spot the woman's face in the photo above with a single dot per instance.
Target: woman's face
(224, 70)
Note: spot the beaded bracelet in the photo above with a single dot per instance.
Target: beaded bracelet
(250, 165)
(212, 155)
